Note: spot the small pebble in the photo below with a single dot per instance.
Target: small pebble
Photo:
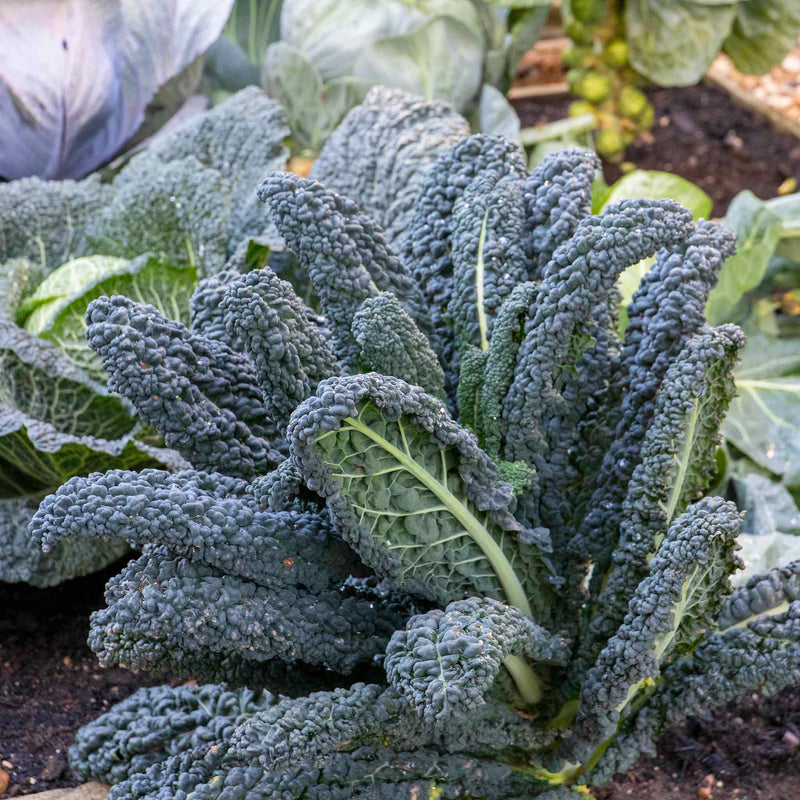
(791, 740)
(54, 766)
(6, 764)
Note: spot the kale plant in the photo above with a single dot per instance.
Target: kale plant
(174, 214)
(473, 483)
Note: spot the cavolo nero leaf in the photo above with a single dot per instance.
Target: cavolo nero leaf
(24, 561)
(654, 185)
(58, 306)
(667, 615)
(411, 490)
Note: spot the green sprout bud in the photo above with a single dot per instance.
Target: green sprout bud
(575, 78)
(582, 10)
(647, 117)
(578, 32)
(580, 107)
(632, 102)
(609, 144)
(616, 53)
(594, 88)
(574, 56)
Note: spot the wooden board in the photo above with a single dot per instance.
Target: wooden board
(86, 791)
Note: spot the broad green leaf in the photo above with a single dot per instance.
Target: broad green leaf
(763, 422)
(763, 552)
(496, 114)
(771, 532)
(440, 59)
(673, 42)
(769, 504)
(147, 279)
(655, 185)
(38, 380)
(758, 232)
(333, 33)
(313, 109)
(788, 209)
(289, 77)
(764, 31)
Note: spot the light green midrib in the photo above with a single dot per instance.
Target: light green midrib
(770, 612)
(483, 325)
(525, 679)
(488, 546)
(683, 462)
(779, 385)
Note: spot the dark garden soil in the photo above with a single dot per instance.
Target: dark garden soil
(50, 682)
(703, 136)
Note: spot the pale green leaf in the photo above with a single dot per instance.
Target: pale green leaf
(758, 232)
(440, 59)
(656, 185)
(496, 114)
(289, 77)
(764, 31)
(673, 42)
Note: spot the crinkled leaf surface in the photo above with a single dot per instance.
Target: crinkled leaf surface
(35, 456)
(77, 75)
(654, 185)
(413, 493)
(148, 279)
(496, 114)
(45, 221)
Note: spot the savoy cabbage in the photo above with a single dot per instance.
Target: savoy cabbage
(471, 481)
(174, 214)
